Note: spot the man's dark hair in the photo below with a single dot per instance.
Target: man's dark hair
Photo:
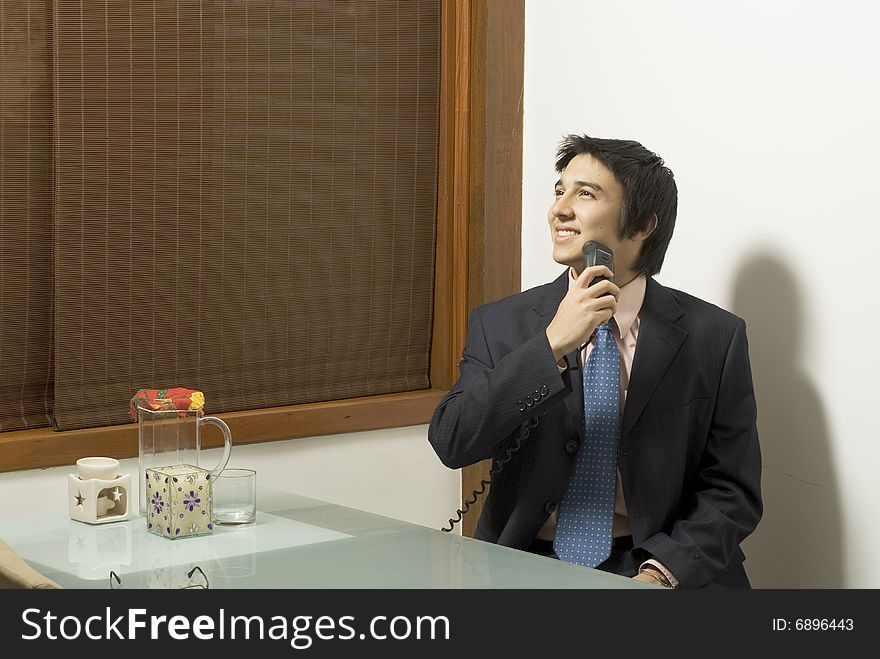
(648, 189)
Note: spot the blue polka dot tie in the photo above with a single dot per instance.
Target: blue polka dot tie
(586, 513)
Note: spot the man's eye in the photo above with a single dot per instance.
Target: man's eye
(587, 193)
(557, 193)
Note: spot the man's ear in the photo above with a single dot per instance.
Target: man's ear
(643, 235)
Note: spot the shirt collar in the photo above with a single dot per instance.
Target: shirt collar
(628, 305)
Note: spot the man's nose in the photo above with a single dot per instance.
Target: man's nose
(561, 207)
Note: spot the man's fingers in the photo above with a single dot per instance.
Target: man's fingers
(606, 287)
(597, 292)
(589, 274)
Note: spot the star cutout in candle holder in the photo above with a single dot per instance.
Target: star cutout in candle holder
(79, 499)
(116, 494)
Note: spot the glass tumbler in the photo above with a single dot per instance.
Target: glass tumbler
(235, 497)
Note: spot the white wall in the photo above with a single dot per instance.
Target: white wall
(389, 472)
(392, 472)
(766, 111)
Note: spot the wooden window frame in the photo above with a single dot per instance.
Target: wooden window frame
(477, 250)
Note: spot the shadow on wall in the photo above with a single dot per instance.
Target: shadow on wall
(798, 542)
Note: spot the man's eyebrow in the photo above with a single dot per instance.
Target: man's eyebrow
(581, 184)
(589, 184)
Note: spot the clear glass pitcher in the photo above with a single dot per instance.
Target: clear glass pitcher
(171, 437)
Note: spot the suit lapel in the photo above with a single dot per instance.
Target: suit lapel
(660, 338)
(544, 311)
(575, 400)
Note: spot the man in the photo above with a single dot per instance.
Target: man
(656, 476)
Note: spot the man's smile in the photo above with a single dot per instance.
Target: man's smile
(565, 233)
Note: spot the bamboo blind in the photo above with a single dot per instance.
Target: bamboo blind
(25, 216)
(244, 201)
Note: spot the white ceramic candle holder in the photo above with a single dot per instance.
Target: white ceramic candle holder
(97, 494)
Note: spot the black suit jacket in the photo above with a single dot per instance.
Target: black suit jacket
(688, 454)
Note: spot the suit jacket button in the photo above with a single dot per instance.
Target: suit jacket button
(522, 406)
(571, 446)
(529, 401)
(544, 390)
(550, 507)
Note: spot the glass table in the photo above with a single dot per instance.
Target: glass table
(296, 542)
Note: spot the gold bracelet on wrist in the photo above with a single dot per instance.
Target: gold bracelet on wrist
(658, 576)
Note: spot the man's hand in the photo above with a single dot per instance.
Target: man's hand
(648, 577)
(582, 310)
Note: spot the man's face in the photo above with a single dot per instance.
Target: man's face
(587, 207)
